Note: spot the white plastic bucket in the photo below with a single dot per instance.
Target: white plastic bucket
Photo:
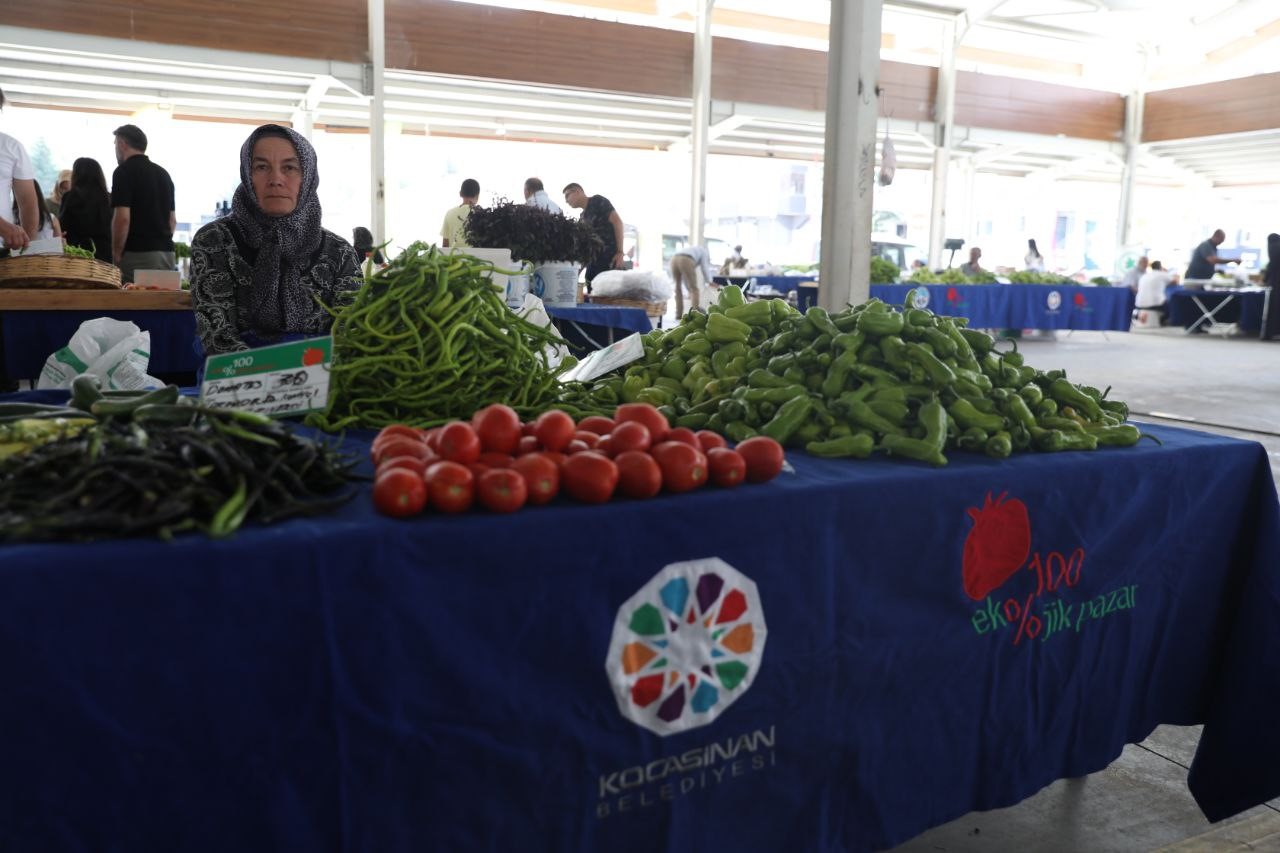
(515, 286)
(556, 284)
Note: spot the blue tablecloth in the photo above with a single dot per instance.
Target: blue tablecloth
(30, 337)
(605, 316)
(783, 284)
(1245, 308)
(447, 683)
(1023, 306)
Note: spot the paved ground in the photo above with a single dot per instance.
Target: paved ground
(1141, 802)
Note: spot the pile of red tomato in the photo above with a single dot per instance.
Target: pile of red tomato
(503, 464)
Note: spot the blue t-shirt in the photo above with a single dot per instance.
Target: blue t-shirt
(1200, 267)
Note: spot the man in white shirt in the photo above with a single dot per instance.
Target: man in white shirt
(17, 179)
(684, 272)
(1134, 276)
(535, 194)
(1151, 288)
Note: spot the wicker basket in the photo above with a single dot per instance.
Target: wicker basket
(653, 309)
(61, 272)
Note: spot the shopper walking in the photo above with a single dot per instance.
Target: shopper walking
(86, 209)
(143, 220)
(453, 231)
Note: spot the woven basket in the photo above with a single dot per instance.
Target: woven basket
(653, 309)
(61, 272)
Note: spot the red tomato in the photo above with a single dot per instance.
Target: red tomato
(398, 429)
(638, 474)
(495, 460)
(555, 456)
(645, 414)
(726, 467)
(528, 444)
(459, 443)
(554, 429)
(477, 468)
(590, 439)
(630, 435)
(709, 439)
(416, 464)
(399, 493)
(451, 486)
(501, 490)
(605, 445)
(598, 424)
(399, 446)
(575, 446)
(684, 434)
(589, 477)
(763, 456)
(541, 476)
(499, 428)
(432, 438)
(527, 429)
(684, 468)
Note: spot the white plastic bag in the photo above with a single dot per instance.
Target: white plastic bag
(115, 351)
(640, 285)
(888, 160)
(535, 312)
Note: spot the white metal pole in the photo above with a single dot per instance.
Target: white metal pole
(1132, 149)
(377, 124)
(701, 120)
(944, 118)
(849, 158)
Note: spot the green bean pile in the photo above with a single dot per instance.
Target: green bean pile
(430, 339)
(155, 464)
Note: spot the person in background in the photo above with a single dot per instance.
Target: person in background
(1271, 322)
(1151, 290)
(19, 177)
(536, 194)
(972, 267)
(143, 220)
(1034, 261)
(54, 202)
(268, 270)
(47, 226)
(1205, 257)
(736, 256)
(362, 240)
(1134, 275)
(451, 232)
(684, 272)
(599, 213)
(86, 209)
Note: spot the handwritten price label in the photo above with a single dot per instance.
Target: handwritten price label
(279, 380)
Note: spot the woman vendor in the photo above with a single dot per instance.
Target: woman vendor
(259, 275)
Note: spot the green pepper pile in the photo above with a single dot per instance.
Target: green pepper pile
(429, 339)
(872, 377)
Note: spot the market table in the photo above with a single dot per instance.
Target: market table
(1022, 306)
(1192, 308)
(488, 683)
(782, 285)
(37, 323)
(596, 325)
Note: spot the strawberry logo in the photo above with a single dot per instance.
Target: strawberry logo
(312, 356)
(1080, 300)
(997, 546)
(953, 295)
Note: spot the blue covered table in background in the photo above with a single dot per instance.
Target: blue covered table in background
(760, 285)
(537, 681)
(32, 332)
(1022, 306)
(590, 327)
(1191, 308)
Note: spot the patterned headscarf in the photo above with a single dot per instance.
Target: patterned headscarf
(284, 244)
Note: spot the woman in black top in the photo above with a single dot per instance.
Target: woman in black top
(1271, 322)
(267, 271)
(86, 209)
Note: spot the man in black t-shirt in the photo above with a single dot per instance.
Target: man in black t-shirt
(599, 213)
(1205, 257)
(142, 221)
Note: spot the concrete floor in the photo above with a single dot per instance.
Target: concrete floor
(1228, 386)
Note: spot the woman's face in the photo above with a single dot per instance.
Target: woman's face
(277, 175)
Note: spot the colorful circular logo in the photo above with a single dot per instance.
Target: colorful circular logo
(920, 297)
(686, 646)
(1054, 300)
